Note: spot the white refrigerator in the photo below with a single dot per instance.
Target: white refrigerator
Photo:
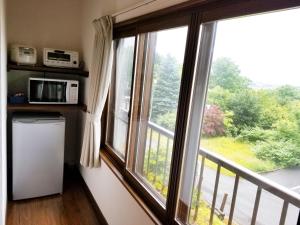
(38, 156)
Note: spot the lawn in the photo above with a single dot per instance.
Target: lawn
(239, 152)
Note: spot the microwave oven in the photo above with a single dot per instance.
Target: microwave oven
(52, 91)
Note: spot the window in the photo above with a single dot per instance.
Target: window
(119, 95)
(157, 107)
(196, 118)
(246, 100)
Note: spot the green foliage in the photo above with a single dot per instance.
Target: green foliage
(204, 214)
(166, 72)
(246, 109)
(226, 74)
(271, 110)
(167, 120)
(219, 96)
(283, 153)
(287, 129)
(230, 129)
(256, 134)
(287, 93)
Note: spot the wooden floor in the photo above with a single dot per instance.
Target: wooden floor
(71, 208)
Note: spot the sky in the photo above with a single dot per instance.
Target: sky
(266, 47)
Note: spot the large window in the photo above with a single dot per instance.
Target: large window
(203, 113)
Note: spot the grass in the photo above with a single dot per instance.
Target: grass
(204, 215)
(236, 151)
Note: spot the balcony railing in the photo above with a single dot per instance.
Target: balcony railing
(157, 162)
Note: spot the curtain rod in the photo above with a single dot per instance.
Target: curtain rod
(133, 8)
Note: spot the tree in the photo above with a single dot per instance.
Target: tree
(166, 84)
(271, 110)
(219, 96)
(213, 121)
(246, 109)
(226, 74)
(287, 93)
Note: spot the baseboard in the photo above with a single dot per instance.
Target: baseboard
(93, 202)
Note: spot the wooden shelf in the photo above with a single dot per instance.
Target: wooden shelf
(48, 69)
(44, 107)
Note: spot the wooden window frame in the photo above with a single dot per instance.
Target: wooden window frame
(192, 13)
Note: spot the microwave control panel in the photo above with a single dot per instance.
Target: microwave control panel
(73, 93)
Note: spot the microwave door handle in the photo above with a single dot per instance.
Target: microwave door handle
(68, 92)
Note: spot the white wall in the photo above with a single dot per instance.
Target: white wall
(3, 173)
(54, 24)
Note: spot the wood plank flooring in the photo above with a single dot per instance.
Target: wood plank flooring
(71, 208)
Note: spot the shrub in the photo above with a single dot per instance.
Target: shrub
(287, 129)
(230, 129)
(256, 134)
(213, 122)
(282, 153)
(167, 120)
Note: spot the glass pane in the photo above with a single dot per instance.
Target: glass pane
(249, 122)
(158, 108)
(47, 91)
(119, 95)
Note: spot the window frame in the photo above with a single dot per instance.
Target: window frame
(192, 14)
(112, 152)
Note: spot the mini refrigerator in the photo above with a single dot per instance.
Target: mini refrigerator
(37, 156)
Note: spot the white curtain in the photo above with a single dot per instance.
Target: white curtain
(100, 75)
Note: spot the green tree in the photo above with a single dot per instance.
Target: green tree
(166, 84)
(287, 93)
(219, 96)
(226, 74)
(245, 108)
(271, 110)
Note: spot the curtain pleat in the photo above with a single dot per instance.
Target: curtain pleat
(100, 76)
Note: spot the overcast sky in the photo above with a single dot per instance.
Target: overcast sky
(266, 47)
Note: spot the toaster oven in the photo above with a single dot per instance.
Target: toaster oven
(60, 58)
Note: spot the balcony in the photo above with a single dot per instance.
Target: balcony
(243, 197)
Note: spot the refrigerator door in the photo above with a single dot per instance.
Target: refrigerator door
(38, 156)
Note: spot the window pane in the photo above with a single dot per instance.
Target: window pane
(244, 132)
(119, 95)
(163, 60)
